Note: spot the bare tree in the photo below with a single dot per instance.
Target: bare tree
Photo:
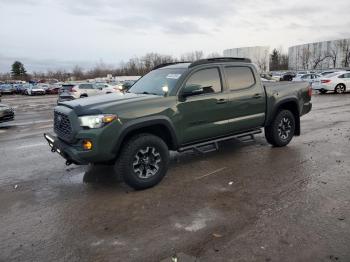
(134, 66)
(213, 55)
(305, 57)
(284, 62)
(78, 73)
(317, 57)
(152, 60)
(5, 76)
(261, 60)
(345, 44)
(192, 56)
(333, 52)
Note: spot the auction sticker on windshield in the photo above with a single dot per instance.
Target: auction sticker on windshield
(173, 76)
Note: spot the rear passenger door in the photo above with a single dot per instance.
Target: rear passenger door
(99, 89)
(246, 98)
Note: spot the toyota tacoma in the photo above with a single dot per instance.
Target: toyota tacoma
(179, 107)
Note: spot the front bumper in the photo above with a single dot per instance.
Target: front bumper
(38, 92)
(73, 152)
(66, 151)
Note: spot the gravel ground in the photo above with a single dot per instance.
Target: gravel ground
(245, 202)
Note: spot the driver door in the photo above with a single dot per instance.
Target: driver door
(203, 106)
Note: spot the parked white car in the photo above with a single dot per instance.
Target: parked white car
(34, 90)
(107, 88)
(338, 82)
(85, 90)
(43, 86)
(277, 75)
(307, 78)
(267, 80)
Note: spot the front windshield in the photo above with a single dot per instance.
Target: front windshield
(155, 81)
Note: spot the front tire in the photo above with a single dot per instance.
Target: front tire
(143, 161)
(340, 89)
(281, 130)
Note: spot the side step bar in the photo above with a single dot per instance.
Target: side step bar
(214, 144)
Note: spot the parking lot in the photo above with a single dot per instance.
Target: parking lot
(246, 202)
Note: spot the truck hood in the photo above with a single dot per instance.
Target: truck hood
(98, 104)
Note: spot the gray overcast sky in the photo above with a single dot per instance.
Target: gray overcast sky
(61, 33)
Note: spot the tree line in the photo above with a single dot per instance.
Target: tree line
(134, 66)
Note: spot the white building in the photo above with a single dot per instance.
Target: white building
(320, 55)
(258, 54)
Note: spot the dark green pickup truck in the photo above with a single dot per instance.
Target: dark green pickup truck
(180, 106)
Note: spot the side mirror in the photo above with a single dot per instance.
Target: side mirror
(187, 93)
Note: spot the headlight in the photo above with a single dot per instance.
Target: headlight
(96, 121)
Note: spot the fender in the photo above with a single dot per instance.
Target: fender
(147, 122)
(279, 104)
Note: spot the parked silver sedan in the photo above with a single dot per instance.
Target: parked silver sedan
(307, 78)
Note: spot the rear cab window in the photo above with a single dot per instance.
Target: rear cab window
(67, 87)
(86, 86)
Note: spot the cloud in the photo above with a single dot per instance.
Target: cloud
(43, 65)
(62, 33)
(19, 2)
(174, 17)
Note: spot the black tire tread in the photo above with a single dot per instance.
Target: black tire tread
(123, 161)
(271, 134)
(335, 89)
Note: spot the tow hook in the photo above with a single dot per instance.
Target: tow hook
(68, 163)
(53, 150)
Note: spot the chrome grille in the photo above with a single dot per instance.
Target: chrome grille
(62, 125)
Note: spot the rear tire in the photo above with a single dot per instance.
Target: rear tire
(281, 130)
(322, 91)
(143, 161)
(340, 89)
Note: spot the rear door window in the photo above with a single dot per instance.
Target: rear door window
(239, 77)
(86, 86)
(67, 87)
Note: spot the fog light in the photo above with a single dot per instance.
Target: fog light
(87, 144)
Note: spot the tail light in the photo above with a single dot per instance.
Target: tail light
(309, 91)
(325, 81)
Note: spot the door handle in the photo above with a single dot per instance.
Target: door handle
(221, 101)
(256, 96)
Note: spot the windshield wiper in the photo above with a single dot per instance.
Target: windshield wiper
(147, 93)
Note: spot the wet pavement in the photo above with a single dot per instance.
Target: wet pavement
(245, 202)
